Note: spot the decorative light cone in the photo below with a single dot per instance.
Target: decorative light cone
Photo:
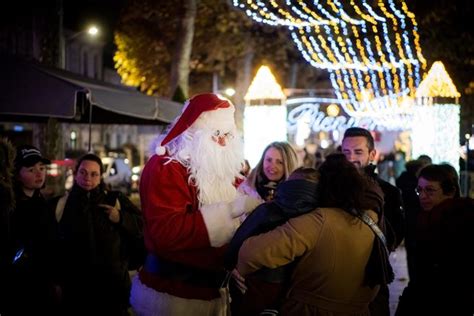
(264, 116)
(435, 129)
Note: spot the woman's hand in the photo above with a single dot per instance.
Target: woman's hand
(239, 280)
(114, 214)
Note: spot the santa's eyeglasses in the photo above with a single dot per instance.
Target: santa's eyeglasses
(228, 135)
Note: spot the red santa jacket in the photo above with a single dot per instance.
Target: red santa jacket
(174, 227)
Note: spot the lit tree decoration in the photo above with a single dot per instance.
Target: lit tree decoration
(264, 115)
(264, 87)
(435, 129)
(372, 53)
(437, 83)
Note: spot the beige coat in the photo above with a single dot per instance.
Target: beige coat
(333, 247)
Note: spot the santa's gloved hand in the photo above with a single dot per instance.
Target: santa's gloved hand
(244, 204)
(246, 189)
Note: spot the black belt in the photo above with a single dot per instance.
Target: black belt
(184, 273)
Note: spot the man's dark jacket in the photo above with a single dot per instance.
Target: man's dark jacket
(394, 217)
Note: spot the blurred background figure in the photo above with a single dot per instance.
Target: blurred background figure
(425, 160)
(246, 168)
(309, 160)
(278, 160)
(319, 159)
(7, 203)
(385, 167)
(407, 183)
(7, 197)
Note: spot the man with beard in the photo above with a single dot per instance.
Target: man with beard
(191, 209)
(359, 148)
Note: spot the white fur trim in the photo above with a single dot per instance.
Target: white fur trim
(219, 222)
(148, 302)
(244, 204)
(221, 119)
(144, 300)
(160, 150)
(245, 188)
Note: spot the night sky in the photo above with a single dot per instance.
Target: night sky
(103, 13)
(78, 15)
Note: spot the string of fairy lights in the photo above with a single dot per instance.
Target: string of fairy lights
(372, 52)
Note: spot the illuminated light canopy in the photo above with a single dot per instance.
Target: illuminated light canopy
(264, 115)
(264, 87)
(364, 47)
(437, 83)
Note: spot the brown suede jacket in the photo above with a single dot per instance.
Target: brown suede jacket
(332, 248)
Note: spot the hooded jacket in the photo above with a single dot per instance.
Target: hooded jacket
(293, 198)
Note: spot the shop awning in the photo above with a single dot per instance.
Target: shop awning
(31, 90)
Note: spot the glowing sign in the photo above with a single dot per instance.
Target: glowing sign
(316, 120)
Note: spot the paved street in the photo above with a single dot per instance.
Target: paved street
(399, 264)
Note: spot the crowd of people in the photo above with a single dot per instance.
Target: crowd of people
(213, 236)
(70, 255)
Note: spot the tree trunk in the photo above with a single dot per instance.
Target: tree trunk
(243, 80)
(180, 64)
(293, 76)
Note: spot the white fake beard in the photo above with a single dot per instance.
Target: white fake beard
(214, 168)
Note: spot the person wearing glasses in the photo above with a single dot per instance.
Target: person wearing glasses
(96, 229)
(444, 242)
(407, 183)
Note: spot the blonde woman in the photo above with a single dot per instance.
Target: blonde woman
(278, 161)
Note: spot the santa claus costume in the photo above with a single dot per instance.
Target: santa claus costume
(191, 209)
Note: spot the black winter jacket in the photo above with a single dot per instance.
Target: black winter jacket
(29, 274)
(93, 252)
(393, 214)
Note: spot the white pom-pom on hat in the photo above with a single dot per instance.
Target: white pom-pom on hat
(160, 150)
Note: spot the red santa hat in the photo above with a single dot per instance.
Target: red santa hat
(192, 110)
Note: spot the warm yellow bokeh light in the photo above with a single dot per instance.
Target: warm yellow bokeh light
(437, 83)
(264, 86)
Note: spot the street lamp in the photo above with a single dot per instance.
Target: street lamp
(229, 92)
(226, 93)
(91, 31)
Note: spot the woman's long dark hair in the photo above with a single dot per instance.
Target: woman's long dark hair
(341, 185)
